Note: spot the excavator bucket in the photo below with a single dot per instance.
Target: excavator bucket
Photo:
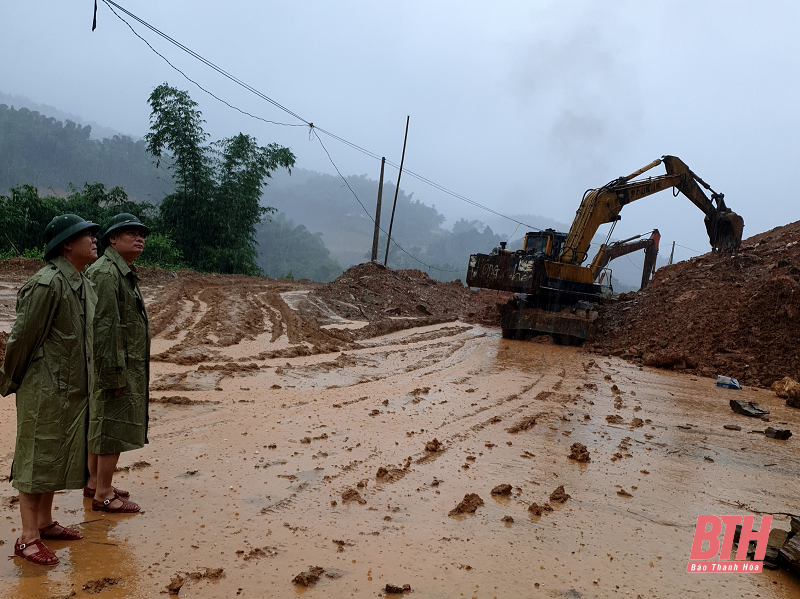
(725, 231)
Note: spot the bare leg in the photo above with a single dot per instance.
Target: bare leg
(92, 464)
(31, 508)
(106, 464)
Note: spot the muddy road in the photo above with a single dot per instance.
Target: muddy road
(286, 436)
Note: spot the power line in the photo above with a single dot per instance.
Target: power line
(111, 4)
(370, 216)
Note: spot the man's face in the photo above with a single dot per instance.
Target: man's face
(81, 249)
(128, 242)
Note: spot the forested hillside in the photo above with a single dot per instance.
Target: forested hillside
(50, 154)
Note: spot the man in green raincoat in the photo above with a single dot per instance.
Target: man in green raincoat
(119, 404)
(49, 364)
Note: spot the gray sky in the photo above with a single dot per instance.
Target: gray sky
(520, 106)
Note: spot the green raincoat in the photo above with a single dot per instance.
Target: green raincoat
(122, 349)
(49, 365)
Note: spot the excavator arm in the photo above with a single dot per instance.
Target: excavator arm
(600, 206)
(628, 246)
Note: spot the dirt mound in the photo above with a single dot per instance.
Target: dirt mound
(375, 292)
(579, 453)
(715, 314)
(559, 495)
(19, 267)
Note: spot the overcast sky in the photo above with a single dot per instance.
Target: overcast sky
(520, 106)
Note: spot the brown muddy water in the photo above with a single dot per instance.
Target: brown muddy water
(248, 469)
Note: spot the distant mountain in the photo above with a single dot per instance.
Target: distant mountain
(98, 131)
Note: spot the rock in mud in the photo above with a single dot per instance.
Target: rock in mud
(614, 419)
(309, 577)
(778, 433)
(777, 539)
(559, 495)
(789, 555)
(393, 588)
(623, 493)
(538, 510)
(434, 446)
(732, 427)
(579, 453)
(748, 408)
(350, 495)
(507, 519)
(504, 489)
(468, 505)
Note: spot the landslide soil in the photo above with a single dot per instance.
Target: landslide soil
(737, 315)
(282, 401)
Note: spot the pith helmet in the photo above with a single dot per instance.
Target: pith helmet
(126, 221)
(62, 228)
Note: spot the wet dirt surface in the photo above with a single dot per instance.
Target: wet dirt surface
(247, 470)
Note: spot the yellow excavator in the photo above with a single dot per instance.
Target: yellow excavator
(559, 296)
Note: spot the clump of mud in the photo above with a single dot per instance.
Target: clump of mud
(349, 495)
(309, 577)
(504, 489)
(434, 446)
(176, 582)
(528, 422)
(614, 419)
(95, 586)
(468, 505)
(559, 495)
(139, 465)
(180, 400)
(579, 453)
(537, 510)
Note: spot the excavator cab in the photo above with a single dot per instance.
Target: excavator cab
(545, 244)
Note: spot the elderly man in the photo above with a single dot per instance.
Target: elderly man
(49, 365)
(119, 405)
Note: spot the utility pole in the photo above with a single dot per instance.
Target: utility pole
(396, 190)
(671, 254)
(378, 215)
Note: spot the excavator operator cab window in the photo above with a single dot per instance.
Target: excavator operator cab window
(537, 243)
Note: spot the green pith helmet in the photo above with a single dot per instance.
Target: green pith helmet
(123, 220)
(62, 228)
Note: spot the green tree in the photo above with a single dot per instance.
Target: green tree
(212, 215)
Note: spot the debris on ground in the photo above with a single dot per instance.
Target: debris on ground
(538, 510)
(393, 588)
(789, 555)
(789, 389)
(579, 453)
(309, 577)
(180, 578)
(614, 419)
(623, 493)
(95, 586)
(468, 505)
(559, 495)
(732, 427)
(349, 495)
(727, 382)
(504, 489)
(748, 408)
(777, 433)
(434, 446)
(507, 519)
(777, 539)
(528, 422)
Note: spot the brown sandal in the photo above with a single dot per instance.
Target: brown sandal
(40, 558)
(127, 507)
(90, 493)
(66, 534)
